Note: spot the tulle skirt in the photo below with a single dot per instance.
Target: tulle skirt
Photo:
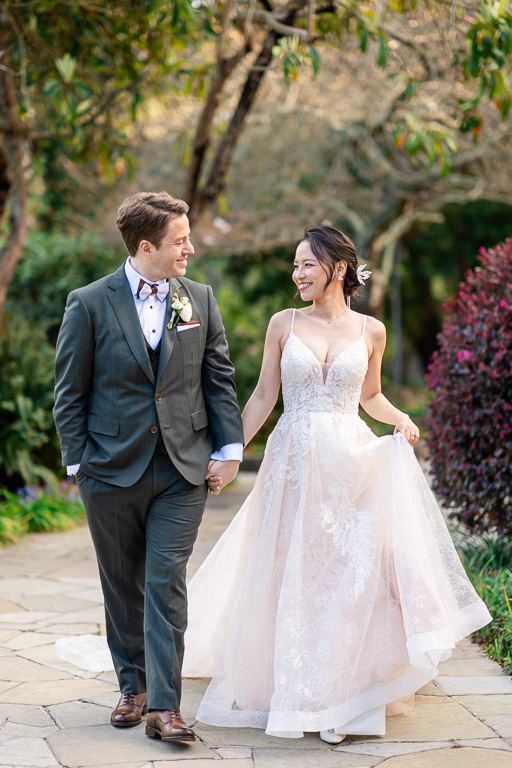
(335, 591)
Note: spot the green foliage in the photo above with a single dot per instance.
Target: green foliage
(26, 399)
(438, 255)
(488, 559)
(291, 54)
(495, 589)
(52, 265)
(12, 525)
(425, 142)
(86, 68)
(368, 29)
(37, 511)
(485, 552)
(486, 59)
(489, 44)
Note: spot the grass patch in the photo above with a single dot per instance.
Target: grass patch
(488, 561)
(37, 510)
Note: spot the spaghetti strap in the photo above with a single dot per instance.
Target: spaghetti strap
(364, 324)
(293, 319)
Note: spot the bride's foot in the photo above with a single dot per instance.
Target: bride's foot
(331, 737)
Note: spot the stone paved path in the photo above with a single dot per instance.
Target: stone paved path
(53, 714)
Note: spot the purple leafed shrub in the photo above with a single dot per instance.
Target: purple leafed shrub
(470, 418)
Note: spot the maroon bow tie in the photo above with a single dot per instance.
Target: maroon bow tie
(147, 289)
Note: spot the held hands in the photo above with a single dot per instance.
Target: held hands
(408, 429)
(221, 473)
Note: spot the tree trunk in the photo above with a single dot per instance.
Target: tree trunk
(5, 184)
(200, 198)
(224, 69)
(13, 182)
(220, 165)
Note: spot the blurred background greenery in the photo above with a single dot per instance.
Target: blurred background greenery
(390, 120)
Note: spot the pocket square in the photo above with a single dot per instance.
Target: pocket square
(187, 326)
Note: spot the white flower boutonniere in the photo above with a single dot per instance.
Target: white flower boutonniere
(181, 310)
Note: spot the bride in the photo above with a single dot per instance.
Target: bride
(336, 590)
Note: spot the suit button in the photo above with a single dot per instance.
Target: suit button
(159, 397)
(154, 430)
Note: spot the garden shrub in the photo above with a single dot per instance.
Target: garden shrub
(487, 558)
(29, 450)
(469, 421)
(35, 509)
(52, 265)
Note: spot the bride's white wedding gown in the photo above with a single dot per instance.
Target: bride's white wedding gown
(336, 590)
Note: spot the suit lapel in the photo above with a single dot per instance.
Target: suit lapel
(121, 299)
(168, 335)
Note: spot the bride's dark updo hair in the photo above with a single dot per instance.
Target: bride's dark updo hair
(332, 247)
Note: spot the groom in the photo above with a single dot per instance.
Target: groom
(146, 409)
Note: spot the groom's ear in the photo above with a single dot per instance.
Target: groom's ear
(145, 247)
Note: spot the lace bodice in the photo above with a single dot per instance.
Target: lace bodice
(304, 388)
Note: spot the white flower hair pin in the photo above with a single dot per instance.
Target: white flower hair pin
(181, 310)
(362, 273)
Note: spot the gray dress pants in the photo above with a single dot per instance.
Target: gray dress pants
(143, 536)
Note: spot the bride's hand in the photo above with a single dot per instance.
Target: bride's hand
(408, 429)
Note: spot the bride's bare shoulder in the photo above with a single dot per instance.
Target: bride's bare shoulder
(376, 330)
(281, 321)
(279, 327)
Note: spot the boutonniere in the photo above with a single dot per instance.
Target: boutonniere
(181, 310)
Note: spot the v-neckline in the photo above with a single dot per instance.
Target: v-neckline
(320, 364)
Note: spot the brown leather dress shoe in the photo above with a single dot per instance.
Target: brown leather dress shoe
(129, 710)
(168, 725)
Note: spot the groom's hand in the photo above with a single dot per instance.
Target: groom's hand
(221, 473)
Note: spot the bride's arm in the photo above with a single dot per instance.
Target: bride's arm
(264, 397)
(372, 400)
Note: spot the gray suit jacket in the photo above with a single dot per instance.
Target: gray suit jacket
(107, 402)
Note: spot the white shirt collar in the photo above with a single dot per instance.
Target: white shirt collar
(135, 277)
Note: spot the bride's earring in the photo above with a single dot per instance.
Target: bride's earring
(339, 276)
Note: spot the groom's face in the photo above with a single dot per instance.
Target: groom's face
(170, 258)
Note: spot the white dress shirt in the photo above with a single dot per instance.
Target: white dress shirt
(151, 312)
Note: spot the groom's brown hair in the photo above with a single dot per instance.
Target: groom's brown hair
(145, 216)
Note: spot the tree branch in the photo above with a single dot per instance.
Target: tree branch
(222, 158)
(311, 19)
(274, 21)
(225, 24)
(223, 70)
(414, 47)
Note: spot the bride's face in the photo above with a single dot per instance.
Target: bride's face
(308, 274)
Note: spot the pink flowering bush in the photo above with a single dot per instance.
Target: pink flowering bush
(470, 418)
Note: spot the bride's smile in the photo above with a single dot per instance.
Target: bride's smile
(309, 275)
